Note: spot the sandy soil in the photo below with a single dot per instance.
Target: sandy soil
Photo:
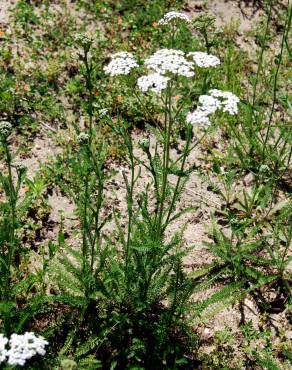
(225, 11)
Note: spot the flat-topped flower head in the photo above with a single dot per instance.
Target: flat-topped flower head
(3, 350)
(204, 60)
(170, 61)
(228, 100)
(24, 347)
(121, 64)
(172, 17)
(154, 82)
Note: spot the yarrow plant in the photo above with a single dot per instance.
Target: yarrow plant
(121, 64)
(143, 241)
(21, 348)
(136, 270)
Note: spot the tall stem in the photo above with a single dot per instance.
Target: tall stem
(166, 156)
(260, 63)
(84, 216)
(285, 33)
(176, 190)
(89, 86)
(130, 190)
(100, 187)
(12, 201)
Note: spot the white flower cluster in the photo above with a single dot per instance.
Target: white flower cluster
(121, 64)
(170, 61)
(5, 128)
(204, 60)
(173, 16)
(228, 100)
(82, 138)
(154, 82)
(84, 39)
(210, 104)
(22, 348)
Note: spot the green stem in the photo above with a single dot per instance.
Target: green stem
(89, 86)
(85, 229)
(166, 157)
(260, 63)
(130, 190)
(12, 201)
(100, 187)
(176, 192)
(275, 85)
(145, 109)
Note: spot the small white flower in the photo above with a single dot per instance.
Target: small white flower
(198, 117)
(171, 61)
(121, 64)
(3, 350)
(173, 16)
(204, 60)
(228, 100)
(25, 346)
(154, 82)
